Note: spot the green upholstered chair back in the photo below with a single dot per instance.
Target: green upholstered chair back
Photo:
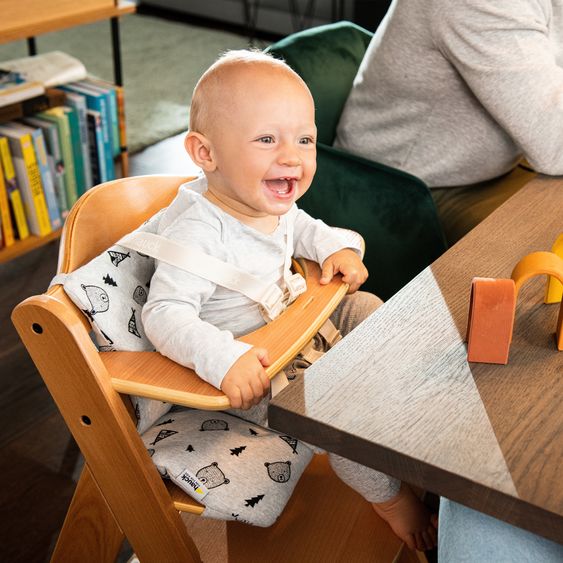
(327, 58)
(392, 210)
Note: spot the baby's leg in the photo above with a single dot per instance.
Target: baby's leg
(392, 500)
(353, 309)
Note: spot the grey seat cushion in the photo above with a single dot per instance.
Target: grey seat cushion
(237, 469)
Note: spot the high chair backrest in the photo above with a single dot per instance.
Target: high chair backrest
(126, 203)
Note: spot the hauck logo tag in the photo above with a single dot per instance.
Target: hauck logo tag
(190, 483)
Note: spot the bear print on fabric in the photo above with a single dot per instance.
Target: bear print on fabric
(214, 424)
(279, 471)
(98, 298)
(211, 476)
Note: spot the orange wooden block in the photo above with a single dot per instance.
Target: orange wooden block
(491, 320)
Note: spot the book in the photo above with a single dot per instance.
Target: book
(98, 101)
(60, 118)
(14, 195)
(29, 179)
(76, 143)
(97, 157)
(78, 103)
(55, 159)
(47, 179)
(120, 94)
(49, 69)
(111, 95)
(51, 98)
(15, 88)
(7, 231)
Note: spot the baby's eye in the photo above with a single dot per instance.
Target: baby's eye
(306, 141)
(266, 139)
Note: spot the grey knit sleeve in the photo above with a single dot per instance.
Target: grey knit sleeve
(508, 52)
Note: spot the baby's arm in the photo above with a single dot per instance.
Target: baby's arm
(172, 323)
(315, 240)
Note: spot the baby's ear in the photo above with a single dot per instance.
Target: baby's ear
(198, 147)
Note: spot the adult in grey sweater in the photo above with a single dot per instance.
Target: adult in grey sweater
(457, 91)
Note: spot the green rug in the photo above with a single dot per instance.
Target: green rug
(162, 61)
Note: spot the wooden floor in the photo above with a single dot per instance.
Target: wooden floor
(39, 461)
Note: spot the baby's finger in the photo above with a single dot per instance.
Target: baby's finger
(265, 380)
(262, 355)
(247, 395)
(257, 389)
(234, 396)
(327, 272)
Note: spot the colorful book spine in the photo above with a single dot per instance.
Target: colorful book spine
(59, 117)
(74, 127)
(47, 179)
(14, 195)
(97, 101)
(110, 91)
(99, 171)
(121, 117)
(29, 180)
(7, 227)
(55, 159)
(78, 102)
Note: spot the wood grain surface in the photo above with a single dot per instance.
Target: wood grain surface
(398, 393)
(28, 18)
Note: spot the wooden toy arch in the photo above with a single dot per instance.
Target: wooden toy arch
(554, 292)
(536, 264)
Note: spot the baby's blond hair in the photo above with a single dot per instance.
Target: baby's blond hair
(210, 82)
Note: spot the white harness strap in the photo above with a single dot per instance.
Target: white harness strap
(189, 258)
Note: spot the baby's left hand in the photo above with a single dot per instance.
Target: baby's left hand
(349, 264)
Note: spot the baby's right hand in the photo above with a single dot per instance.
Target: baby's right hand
(246, 383)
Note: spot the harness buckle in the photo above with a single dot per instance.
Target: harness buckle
(295, 286)
(272, 303)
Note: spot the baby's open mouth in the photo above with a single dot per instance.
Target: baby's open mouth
(281, 186)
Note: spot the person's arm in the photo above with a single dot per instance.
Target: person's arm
(503, 52)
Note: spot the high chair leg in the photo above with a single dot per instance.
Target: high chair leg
(90, 532)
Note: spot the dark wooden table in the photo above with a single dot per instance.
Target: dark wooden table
(398, 394)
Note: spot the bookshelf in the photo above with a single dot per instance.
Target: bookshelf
(25, 19)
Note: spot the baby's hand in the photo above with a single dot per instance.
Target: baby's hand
(349, 264)
(246, 382)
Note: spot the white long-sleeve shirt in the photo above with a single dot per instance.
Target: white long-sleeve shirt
(456, 91)
(195, 322)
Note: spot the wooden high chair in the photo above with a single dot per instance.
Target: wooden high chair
(120, 492)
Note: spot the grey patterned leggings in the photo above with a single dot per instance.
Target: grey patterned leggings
(371, 484)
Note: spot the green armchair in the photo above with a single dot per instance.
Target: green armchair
(391, 209)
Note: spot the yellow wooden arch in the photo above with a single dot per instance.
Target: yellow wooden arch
(538, 263)
(554, 292)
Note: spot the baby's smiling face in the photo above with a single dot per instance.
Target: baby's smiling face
(263, 143)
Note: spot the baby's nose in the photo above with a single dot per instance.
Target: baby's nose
(290, 157)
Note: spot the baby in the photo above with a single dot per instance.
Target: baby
(252, 132)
